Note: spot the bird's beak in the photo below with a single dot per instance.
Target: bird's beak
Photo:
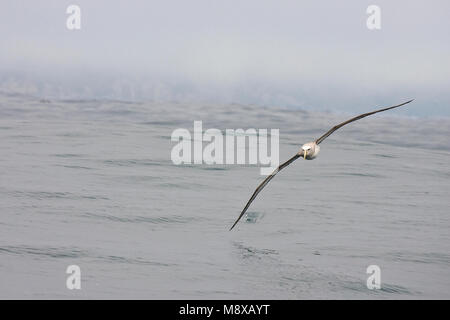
(304, 154)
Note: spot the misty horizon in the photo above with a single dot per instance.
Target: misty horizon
(302, 55)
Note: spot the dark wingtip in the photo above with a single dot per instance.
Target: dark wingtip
(406, 102)
(402, 104)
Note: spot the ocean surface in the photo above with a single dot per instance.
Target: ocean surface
(91, 183)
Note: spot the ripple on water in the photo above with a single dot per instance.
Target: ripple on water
(167, 219)
(67, 155)
(361, 174)
(74, 167)
(134, 162)
(391, 288)
(46, 195)
(253, 217)
(379, 155)
(74, 253)
(44, 251)
(253, 252)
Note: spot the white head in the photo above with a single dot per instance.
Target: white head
(309, 150)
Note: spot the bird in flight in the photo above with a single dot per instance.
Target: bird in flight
(308, 151)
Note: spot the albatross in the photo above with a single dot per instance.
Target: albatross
(308, 151)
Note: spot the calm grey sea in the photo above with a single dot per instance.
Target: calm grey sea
(91, 183)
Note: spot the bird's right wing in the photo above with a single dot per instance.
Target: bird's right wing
(263, 184)
(356, 118)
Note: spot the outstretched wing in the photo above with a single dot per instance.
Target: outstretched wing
(356, 118)
(263, 184)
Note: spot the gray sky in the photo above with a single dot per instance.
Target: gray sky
(310, 54)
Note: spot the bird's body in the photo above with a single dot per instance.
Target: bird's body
(308, 151)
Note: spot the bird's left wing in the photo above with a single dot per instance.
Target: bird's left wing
(356, 118)
(263, 184)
